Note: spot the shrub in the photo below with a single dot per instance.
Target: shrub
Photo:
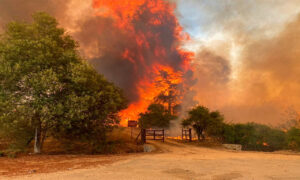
(254, 136)
(293, 139)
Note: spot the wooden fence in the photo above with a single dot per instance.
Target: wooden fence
(156, 134)
(186, 134)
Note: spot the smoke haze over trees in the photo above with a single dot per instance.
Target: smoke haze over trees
(246, 57)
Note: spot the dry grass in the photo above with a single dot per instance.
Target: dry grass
(118, 141)
(58, 156)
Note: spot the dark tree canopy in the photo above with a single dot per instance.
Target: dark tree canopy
(203, 121)
(155, 117)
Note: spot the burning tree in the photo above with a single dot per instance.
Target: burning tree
(170, 97)
(166, 103)
(140, 40)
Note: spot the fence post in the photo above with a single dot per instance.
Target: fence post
(190, 134)
(163, 135)
(182, 134)
(154, 134)
(143, 135)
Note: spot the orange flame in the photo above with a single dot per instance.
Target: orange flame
(148, 89)
(145, 21)
(265, 144)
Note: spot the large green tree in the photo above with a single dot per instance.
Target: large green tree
(46, 88)
(203, 121)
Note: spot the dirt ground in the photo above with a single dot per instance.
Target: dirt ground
(171, 161)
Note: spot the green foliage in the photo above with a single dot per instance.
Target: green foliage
(155, 117)
(251, 136)
(90, 109)
(255, 136)
(293, 139)
(18, 132)
(46, 86)
(215, 128)
(204, 121)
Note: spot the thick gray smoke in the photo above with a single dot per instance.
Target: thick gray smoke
(22, 9)
(246, 62)
(251, 71)
(115, 52)
(127, 55)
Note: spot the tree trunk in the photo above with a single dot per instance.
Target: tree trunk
(37, 140)
(198, 131)
(198, 135)
(203, 136)
(170, 102)
(44, 134)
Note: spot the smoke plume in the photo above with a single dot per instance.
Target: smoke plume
(23, 9)
(247, 58)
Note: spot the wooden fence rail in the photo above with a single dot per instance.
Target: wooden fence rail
(156, 134)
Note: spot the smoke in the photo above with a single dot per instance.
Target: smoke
(23, 9)
(105, 45)
(247, 57)
(213, 75)
(270, 73)
(129, 43)
(246, 52)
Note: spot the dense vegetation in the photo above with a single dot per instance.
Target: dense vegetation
(255, 136)
(47, 90)
(156, 116)
(251, 136)
(202, 120)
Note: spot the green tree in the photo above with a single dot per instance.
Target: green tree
(155, 117)
(204, 121)
(46, 88)
(293, 138)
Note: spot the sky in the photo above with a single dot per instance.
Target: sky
(246, 51)
(246, 64)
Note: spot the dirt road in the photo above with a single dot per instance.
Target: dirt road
(178, 161)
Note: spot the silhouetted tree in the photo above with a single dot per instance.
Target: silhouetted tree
(204, 121)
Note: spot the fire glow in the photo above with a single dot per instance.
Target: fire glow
(154, 47)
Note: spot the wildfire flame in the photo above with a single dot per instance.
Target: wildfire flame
(147, 90)
(155, 36)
